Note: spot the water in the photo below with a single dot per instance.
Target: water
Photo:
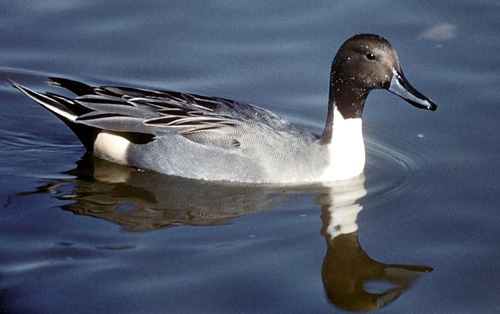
(418, 233)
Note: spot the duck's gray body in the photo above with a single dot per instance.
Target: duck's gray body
(187, 135)
(219, 139)
(177, 155)
(260, 147)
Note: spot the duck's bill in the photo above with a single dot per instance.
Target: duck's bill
(400, 86)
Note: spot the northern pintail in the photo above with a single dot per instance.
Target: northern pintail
(213, 138)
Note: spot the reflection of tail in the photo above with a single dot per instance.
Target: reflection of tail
(355, 282)
(65, 109)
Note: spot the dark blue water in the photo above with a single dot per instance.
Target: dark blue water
(418, 233)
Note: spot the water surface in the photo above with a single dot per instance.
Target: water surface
(417, 233)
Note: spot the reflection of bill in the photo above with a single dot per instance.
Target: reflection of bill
(144, 201)
(352, 280)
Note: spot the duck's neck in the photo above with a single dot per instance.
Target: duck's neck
(345, 102)
(343, 137)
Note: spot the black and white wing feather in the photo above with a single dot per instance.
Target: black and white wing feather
(142, 115)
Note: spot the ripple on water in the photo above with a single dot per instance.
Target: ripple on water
(390, 170)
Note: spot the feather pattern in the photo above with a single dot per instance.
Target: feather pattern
(166, 130)
(154, 112)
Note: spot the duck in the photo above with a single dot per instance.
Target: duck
(218, 139)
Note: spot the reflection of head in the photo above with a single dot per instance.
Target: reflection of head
(349, 274)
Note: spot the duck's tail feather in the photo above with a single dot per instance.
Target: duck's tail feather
(76, 87)
(66, 110)
(56, 105)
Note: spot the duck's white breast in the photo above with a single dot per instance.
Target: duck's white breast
(346, 152)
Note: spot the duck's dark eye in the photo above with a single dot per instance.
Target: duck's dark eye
(370, 56)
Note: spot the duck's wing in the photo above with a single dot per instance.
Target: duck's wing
(152, 113)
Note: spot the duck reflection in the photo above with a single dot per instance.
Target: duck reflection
(352, 280)
(143, 201)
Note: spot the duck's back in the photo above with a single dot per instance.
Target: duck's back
(185, 134)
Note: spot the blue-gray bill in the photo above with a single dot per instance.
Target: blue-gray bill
(402, 88)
